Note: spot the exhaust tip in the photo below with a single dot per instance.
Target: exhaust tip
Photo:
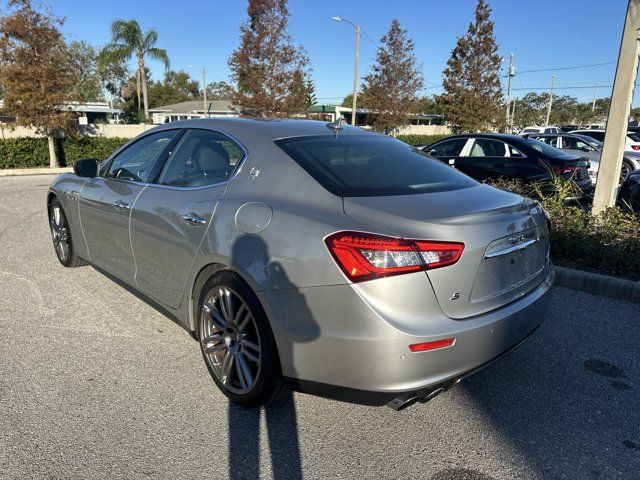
(401, 403)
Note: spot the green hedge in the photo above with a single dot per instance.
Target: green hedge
(34, 152)
(421, 139)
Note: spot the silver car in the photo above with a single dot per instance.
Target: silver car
(310, 256)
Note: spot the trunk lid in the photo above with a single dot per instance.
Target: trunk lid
(505, 237)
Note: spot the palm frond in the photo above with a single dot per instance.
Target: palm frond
(159, 54)
(114, 53)
(149, 40)
(126, 31)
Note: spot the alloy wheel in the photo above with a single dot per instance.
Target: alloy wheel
(59, 233)
(625, 171)
(230, 341)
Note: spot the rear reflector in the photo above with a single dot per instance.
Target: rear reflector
(635, 147)
(365, 256)
(422, 347)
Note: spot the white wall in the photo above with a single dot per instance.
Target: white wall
(425, 130)
(96, 130)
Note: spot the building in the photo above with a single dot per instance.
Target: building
(88, 112)
(192, 109)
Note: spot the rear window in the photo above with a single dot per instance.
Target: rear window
(545, 149)
(371, 165)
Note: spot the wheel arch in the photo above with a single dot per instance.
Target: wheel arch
(204, 274)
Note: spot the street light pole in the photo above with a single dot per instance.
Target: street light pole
(511, 74)
(553, 81)
(355, 66)
(204, 90)
(595, 96)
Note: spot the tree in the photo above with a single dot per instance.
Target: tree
(85, 58)
(177, 87)
(269, 72)
(310, 93)
(392, 86)
(113, 77)
(430, 104)
(219, 91)
(472, 98)
(127, 40)
(37, 71)
(348, 101)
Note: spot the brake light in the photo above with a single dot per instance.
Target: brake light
(566, 169)
(365, 256)
(635, 147)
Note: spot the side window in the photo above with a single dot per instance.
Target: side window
(514, 152)
(135, 163)
(202, 157)
(447, 148)
(484, 147)
(596, 135)
(549, 140)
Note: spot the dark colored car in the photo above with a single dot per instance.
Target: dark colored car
(487, 156)
(629, 194)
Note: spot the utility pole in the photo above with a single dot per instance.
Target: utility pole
(355, 66)
(553, 81)
(204, 90)
(595, 96)
(617, 122)
(512, 72)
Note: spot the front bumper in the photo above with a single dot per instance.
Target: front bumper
(334, 342)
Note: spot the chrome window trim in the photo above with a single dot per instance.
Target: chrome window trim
(235, 173)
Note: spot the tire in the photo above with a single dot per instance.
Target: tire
(231, 324)
(61, 236)
(627, 168)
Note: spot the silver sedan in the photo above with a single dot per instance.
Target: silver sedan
(311, 256)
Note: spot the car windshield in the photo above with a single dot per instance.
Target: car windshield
(543, 148)
(371, 165)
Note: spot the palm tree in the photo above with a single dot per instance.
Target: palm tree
(127, 39)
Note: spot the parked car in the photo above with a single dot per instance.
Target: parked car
(313, 256)
(542, 129)
(591, 149)
(629, 193)
(568, 128)
(486, 156)
(632, 141)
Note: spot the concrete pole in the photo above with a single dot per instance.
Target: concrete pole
(355, 76)
(511, 74)
(595, 97)
(204, 90)
(617, 122)
(553, 81)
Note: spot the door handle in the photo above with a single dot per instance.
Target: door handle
(120, 205)
(502, 165)
(192, 219)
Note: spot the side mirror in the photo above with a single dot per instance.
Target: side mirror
(586, 148)
(87, 167)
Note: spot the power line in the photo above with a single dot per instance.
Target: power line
(565, 68)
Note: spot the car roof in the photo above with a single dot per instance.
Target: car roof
(494, 136)
(263, 128)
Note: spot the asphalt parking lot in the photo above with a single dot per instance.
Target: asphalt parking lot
(95, 383)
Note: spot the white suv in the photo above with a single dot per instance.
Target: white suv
(543, 129)
(632, 141)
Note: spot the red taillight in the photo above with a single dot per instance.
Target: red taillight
(565, 169)
(365, 256)
(422, 347)
(635, 147)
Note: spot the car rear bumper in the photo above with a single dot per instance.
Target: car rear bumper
(335, 343)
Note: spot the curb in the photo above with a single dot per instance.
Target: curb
(595, 283)
(13, 172)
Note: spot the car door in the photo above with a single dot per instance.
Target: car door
(106, 202)
(487, 158)
(171, 216)
(448, 150)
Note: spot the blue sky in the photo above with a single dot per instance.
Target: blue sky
(543, 34)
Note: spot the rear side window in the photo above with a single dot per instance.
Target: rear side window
(597, 135)
(447, 148)
(371, 165)
(483, 147)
